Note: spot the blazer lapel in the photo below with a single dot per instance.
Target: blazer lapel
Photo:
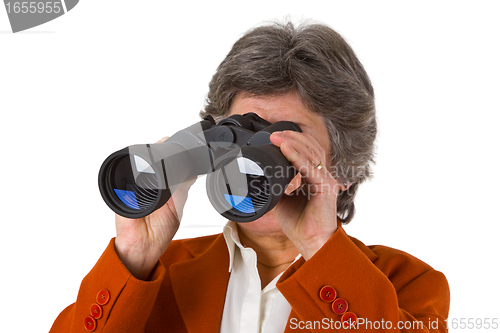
(199, 286)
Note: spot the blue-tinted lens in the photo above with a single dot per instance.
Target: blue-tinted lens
(128, 198)
(243, 204)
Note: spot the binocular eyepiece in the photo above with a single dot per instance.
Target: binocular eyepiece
(246, 173)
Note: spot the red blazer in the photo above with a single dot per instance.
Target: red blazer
(187, 289)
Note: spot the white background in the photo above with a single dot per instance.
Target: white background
(114, 73)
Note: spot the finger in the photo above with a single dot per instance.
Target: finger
(316, 173)
(303, 143)
(318, 180)
(301, 154)
(294, 184)
(302, 163)
(162, 139)
(294, 150)
(309, 142)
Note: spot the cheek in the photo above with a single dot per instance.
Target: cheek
(325, 144)
(325, 141)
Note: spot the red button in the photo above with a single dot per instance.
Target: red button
(103, 297)
(96, 311)
(327, 294)
(349, 320)
(90, 323)
(339, 306)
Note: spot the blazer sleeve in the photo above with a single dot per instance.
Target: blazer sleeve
(110, 299)
(390, 291)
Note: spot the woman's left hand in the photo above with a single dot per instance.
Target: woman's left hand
(307, 213)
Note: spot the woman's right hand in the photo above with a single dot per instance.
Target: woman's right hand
(141, 242)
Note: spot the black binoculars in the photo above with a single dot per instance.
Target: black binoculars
(246, 173)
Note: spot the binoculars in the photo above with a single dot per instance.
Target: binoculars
(246, 173)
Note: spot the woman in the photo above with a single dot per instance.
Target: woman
(294, 268)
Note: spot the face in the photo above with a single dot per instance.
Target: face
(277, 108)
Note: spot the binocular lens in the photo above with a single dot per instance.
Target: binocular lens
(247, 183)
(249, 197)
(239, 188)
(130, 185)
(139, 193)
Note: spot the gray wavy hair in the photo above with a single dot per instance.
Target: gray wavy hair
(317, 64)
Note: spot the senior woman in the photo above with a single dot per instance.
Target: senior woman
(294, 268)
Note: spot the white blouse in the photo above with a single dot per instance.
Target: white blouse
(248, 308)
